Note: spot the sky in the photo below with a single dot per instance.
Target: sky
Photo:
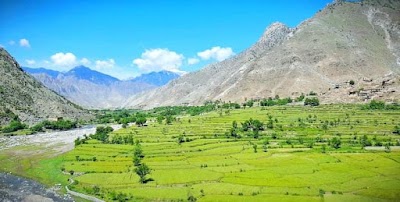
(126, 38)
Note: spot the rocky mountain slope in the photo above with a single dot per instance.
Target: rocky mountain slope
(31, 101)
(93, 89)
(345, 41)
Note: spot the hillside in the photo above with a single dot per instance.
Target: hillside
(93, 89)
(22, 95)
(345, 41)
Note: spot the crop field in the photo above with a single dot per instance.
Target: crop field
(293, 159)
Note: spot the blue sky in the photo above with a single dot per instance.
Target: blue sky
(126, 38)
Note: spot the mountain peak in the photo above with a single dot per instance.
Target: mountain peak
(274, 34)
(157, 78)
(86, 73)
(80, 68)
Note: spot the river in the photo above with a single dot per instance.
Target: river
(14, 188)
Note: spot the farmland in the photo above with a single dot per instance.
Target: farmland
(330, 152)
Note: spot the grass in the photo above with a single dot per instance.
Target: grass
(213, 166)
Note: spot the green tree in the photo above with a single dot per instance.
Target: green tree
(160, 119)
(142, 170)
(140, 121)
(234, 124)
(14, 126)
(169, 119)
(335, 142)
(374, 104)
(387, 148)
(397, 130)
(311, 101)
(255, 148)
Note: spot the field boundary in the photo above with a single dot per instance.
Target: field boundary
(84, 196)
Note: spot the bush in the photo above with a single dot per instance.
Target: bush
(37, 128)
(60, 124)
(102, 133)
(311, 101)
(14, 126)
(376, 104)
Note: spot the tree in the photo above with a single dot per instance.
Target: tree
(14, 126)
(335, 143)
(136, 160)
(140, 121)
(169, 119)
(234, 124)
(124, 125)
(323, 149)
(365, 141)
(255, 148)
(102, 133)
(160, 119)
(387, 148)
(351, 82)
(142, 170)
(396, 130)
(265, 145)
(376, 104)
(311, 101)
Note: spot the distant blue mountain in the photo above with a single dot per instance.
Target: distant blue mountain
(156, 78)
(51, 73)
(92, 89)
(85, 73)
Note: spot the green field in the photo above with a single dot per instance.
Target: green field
(295, 159)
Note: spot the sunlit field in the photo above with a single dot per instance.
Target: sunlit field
(294, 158)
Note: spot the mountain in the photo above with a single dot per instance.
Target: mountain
(345, 41)
(31, 101)
(156, 78)
(94, 89)
(51, 73)
(85, 73)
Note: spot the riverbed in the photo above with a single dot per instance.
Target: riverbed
(15, 188)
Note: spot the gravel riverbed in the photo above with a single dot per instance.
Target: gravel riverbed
(14, 188)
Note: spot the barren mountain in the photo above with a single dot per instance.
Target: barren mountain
(94, 89)
(345, 41)
(31, 101)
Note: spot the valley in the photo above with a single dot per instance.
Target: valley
(300, 153)
(160, 102)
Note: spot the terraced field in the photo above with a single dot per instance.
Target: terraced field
(294, 160)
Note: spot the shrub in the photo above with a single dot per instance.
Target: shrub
(14, 126)
(311, 101)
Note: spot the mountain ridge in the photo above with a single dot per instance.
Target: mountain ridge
(93, 89)
(27, 98)
(340, 43)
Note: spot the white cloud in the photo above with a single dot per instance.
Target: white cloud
(192, 61)
(216, 53)
(30, 62)
(85, 62)
(2, 46)
(159, 59)
(24, 43)
(11, 42)
(105, 64)
(64, 59)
